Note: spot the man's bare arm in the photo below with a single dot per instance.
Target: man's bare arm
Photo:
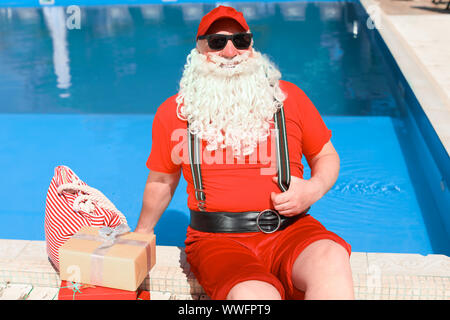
(159, 190)
(325, 168)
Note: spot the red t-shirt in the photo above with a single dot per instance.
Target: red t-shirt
(231, 185)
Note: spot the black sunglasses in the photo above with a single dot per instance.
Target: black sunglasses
(241, 40)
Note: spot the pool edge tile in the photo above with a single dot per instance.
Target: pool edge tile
(376, 275)
(409, 264)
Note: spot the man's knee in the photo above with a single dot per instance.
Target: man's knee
(320, 260)
(325, 253)
(254, 290)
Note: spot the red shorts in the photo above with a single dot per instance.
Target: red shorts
(221, 260)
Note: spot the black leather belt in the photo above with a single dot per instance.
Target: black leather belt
(266, 221)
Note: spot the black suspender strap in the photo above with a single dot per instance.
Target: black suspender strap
(283, 168)
(284, 175)
(194, 147)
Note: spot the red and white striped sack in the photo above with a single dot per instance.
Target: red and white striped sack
(70, 205)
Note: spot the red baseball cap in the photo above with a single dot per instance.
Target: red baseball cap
(219, 13)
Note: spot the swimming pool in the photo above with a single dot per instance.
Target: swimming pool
(86, 97)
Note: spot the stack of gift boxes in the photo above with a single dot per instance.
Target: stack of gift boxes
(95, 264)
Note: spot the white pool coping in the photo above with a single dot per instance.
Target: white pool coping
(420, 45)
(25, 272)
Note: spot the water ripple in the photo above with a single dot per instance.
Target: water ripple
(367, 188)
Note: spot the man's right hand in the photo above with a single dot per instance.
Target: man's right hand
(143, 230)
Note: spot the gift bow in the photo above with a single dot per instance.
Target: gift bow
(75, 287)
(109, 235)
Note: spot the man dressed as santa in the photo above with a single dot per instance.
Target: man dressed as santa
(237, 132)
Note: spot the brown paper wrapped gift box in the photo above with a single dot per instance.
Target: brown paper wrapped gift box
(124, 265)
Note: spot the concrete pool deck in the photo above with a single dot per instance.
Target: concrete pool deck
(415, 32)
(26, 273)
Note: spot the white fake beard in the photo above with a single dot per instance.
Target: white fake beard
(229, 103)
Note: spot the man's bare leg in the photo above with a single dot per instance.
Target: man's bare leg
(323, 271)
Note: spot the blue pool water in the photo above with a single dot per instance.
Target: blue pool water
(86, 97)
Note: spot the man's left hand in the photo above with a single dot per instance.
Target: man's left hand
(300, 196)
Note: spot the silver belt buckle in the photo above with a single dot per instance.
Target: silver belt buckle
(265, 212)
